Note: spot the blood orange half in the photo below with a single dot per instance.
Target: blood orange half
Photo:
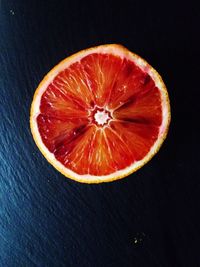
(100, 114)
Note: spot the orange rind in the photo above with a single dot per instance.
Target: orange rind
(100, 114)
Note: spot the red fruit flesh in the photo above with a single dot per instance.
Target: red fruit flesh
(112, 87)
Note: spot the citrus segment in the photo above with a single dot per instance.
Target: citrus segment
(100, 114)
(54, 131)
(102, 71)
(138, 137)
(131, 82)
(142, 108)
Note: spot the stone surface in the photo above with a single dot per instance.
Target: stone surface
(148, 219)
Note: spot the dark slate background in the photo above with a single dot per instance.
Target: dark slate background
(150, 218)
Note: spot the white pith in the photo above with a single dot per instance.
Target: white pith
(101, 117)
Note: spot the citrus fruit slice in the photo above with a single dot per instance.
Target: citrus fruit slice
(100, 114)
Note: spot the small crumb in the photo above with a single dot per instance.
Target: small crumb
(139, 238)
(48, 181)
(12, 12)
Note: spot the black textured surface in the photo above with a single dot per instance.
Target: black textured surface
(148, 219)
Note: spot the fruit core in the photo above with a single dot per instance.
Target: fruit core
(100, 116)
